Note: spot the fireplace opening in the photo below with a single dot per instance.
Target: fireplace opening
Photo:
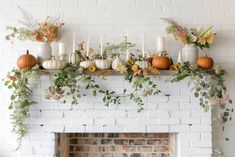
(116, 145)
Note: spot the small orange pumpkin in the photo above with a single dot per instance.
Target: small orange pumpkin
(205, 62)
(26, 61)
(161, 62)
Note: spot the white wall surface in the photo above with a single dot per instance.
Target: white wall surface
(112, 17)
(179, 113)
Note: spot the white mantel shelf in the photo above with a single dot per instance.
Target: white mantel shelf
(109, 72)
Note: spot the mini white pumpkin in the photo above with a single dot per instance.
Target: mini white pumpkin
(86, 64)
(117, 61)
(74, 58)
(142, 64)
(53, 64)
(102, 64)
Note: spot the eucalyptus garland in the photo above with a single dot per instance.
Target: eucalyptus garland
(142, 84)
(208, 85)
(20, 99)
(109, 97)
(67, 82)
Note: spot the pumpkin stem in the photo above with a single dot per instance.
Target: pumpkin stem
(27, 52)
(163, 53)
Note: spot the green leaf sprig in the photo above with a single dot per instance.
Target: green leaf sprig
(17, 81)
(109, 97)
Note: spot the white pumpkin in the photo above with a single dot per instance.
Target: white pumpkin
(74, 58)
(86, 64)
(53, 64)
(102, 64)
(142, 64)
(117, 61)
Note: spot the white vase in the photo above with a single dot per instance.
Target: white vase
(190, 53)
(44, 51)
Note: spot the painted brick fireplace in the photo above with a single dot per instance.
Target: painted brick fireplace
(116, 145)
(174, 111)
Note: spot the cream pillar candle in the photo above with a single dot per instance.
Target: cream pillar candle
(61, 48)
(62, 51)
(161, 44)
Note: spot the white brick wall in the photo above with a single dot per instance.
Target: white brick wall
(112, 17)
(192, 126)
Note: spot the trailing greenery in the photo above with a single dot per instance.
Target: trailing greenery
(66, 83)
(71, 77)
(109, 97)
(208, 85)
(20, 98)
(142, 84)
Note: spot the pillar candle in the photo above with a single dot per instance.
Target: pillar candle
(61, 48)
(161, 44)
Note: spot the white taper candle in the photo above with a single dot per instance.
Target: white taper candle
(74, 42)
(127, 32)
(127, 51)
(101, 44)
(143, 48)
(88, 45)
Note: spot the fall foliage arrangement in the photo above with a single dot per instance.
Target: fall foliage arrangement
(48, 30)
(202, 38)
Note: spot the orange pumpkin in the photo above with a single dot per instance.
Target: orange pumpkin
(26, 61)
(205, 62)
(161, 62)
